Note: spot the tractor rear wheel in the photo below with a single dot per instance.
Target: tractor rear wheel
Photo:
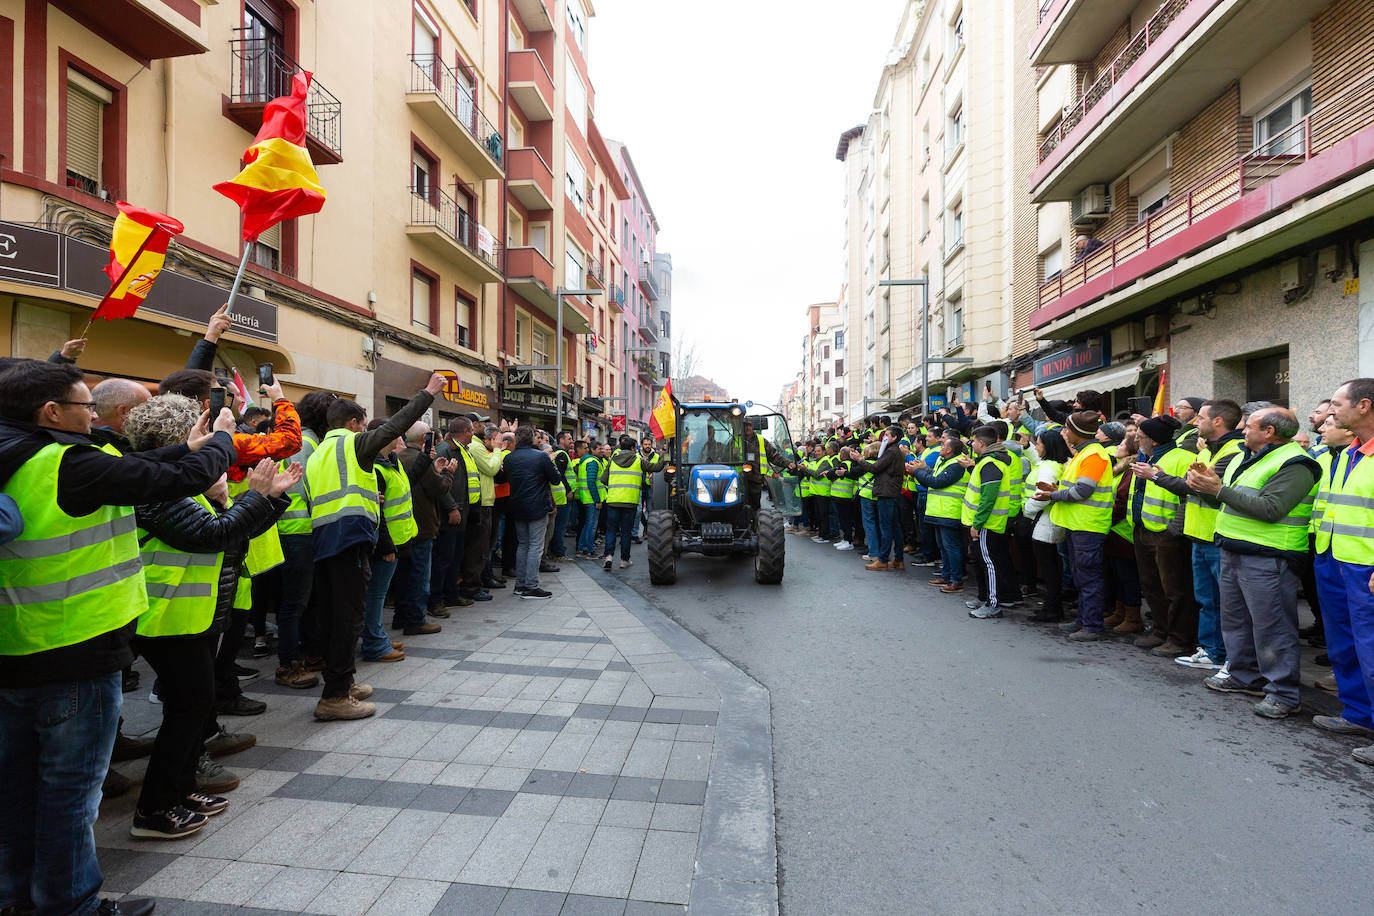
(768, 562)
(659, 539)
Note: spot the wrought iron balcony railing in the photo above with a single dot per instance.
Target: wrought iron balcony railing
(261, 71)
(430, 74)
(432, 207)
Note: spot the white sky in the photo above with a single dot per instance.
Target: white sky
(732, 110)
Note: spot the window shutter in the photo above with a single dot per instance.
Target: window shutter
(84, 114)
(271, 238)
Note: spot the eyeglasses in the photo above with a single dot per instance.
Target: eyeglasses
(89, 405)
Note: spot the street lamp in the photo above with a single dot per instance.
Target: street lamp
(924, 284)
(558, 363)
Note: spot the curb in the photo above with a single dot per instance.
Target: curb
(737, 860)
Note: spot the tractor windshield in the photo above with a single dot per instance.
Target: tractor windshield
(710, 437)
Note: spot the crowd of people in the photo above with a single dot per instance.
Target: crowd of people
(1191, 533)
(164, 526)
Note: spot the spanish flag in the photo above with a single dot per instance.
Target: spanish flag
(1159, 395)
(278, 180)
(663, 421)
(138, 249)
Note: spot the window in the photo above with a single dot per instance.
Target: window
(612, 223)
(577, 179)
(541, 352)
(958, 31)
(868, 383)
(539, 238)
(925, 67)
(925, 216)
(885, 373)
(422, 171)
(887, 249)
(1274, 130)
(87, 102)
(885, 317)
(925, 143)
(574, 267)
(839, 343)
(1153, 199)
(462, 316)
(577, 27)
(839, 368)
(839, 397)
(422, 290)
(522, 335)
(424, 40)
(825, 378)
(601, 202)
(576, 95)
(956, 130)
(956, 227)
(1054, 261)
(264, 78)
(954, 322)
(825, 352)
(265, 251)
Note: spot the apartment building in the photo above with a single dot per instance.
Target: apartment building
(1218, 153)
(441, 245)
(663, 271)
(641, 290)
(824, 393)
(699, 388)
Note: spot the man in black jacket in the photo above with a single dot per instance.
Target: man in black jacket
(887, 473)
(530, 474)
(44, 405)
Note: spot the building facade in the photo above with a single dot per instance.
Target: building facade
(698, 388)
(437, 136)
(640, 287)
(1219, 155)
(663, 269)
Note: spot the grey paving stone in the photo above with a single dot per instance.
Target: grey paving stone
(304, 829)
(526, 748)
(607, 754)
(552, 864)
(348, 789)
(435, 652)
(488, 746)
(291, 889)
(683, 791)
(547, 782)
(669, 716)
(509, 720)
(260, 757)
(627, 713)
(498, 857)
(499, 777)
(699, 717)
(391, 794)
(665, 867)
(305, 785)
(696, 733)
(620, 666)
(555, 637)
(470, 900)
(418, 771)
(593, 710)
(683, 818)
(485, 802)
(647, 757)
(546, 723)
(621, 813)
(460, 774)
(662, 730)
(438, 798)
(358, 827)
(444, 854)
(526, 670)
(619, 729)
(539, 807)
(400, 840)
(235, 883)
(689, 760)
(473, 716)
(531, 903)
(579, 810)
(583, 905)
(636, 788)
(126, 869)
(644, 908)
(591, 785)
(181, 878)
(608, 866)
(407, 897)
(349, 894)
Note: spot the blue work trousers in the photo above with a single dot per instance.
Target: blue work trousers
(586, 541)
(1348, 614)
(1085, 553)
(1207, 591)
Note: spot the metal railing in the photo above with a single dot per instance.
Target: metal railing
(618, 294)
(432, 207)
(1045, 9)
(430, 74)
(647, 332)
(1326, 124)
(260, 71)
(596, 273)
(1095, 93)
(647, 282)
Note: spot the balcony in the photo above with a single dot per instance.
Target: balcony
(1312, 179)
(618, 295)
(596, 275)
(258, 73)
(143, 29)
(445, 103)
(647, 283)
(530, 275)
(1188, 53)
(437, 222)
(530, 84)
(645, 366)
(534, 14)
(1074, 30)
(529, 178)
(647, 332)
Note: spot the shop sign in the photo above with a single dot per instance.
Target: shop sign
(617, 423)
(519, 378)
(456, 392)
(1080, 358)
(938, 402)
(519, 401)
(42, 258)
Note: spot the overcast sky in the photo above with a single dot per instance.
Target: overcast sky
(732, 111)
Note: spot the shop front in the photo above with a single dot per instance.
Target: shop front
(534, 406)
(1088, 365)
(395, 383)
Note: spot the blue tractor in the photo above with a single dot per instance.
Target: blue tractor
(711, 496)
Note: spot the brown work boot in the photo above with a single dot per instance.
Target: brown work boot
(332, 708)
(1130, 621)
(876, 566)
(392, 655)
(312, 664)
(422, 629)
(1116, 617)
(296, 676)
(896, 564)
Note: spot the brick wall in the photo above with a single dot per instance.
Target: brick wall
(1217, 135)
(1342, 54)
(1114, 46)
(1123, 212)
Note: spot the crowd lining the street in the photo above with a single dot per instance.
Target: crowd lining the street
(134, 524)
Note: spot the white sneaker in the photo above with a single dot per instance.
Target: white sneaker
(1199, 659)
(154, 698)
(818, 539)
(1224, 673)
(844, 545)
(866, 557)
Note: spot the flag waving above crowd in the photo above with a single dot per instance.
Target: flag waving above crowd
(138, 248)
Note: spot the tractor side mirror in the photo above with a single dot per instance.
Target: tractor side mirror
(760, 424)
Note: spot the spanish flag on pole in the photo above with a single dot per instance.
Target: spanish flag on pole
(138, 249)
(663, 421)
(278, 180)
(1159, 395)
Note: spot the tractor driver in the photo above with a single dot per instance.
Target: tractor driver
(763, 457)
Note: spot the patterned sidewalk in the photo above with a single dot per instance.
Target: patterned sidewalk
(534, 757)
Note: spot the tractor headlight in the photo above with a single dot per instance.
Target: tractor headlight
(702, 494)
(732, 492)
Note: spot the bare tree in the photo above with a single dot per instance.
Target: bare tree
(685, 359)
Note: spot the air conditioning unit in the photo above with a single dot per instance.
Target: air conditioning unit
(1091, 205)
(1154, 326)
(1128, 338)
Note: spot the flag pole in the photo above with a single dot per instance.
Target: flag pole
(238, 280)
(157, 227)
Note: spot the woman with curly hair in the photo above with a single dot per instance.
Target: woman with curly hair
(191, 551)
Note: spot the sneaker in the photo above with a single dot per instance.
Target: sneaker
(606, 563)
(1363, 754)
(925, 563)
(985, 612)
(1082, 635)
(843, 545)
(1340, 725)
(124, 906)
(625, 564)
(1070, 626)
(538, 594)
(548, 568)
(581, 555)
(819, 540)
(1271, 708)
(1199, 659)
(360, 691)
(333, 708)
(296, 676)
(244, 673)
(973, 603)
(240, 706)
(172, 824)
(213, 778)
(1328, 682)
(154, 698)
(480, 596)
(208, 805)
(226, 742)
(261, 650)
(422, 629)
(126, 748)
(519, 590)
(1228, 685)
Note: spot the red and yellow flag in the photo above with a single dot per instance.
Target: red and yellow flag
(663, 421)
(1159, 395)
(138, 249)
(278, 180)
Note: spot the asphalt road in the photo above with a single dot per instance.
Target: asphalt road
(926, 762)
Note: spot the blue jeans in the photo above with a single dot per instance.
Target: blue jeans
(412, 583)
(870, 521)
(375, 641)
(55, 744)
(1207, 591)
(557, 548)
(297, 575)
(446, 564)
(889, 530)
(586, 541)
(529, 550)
(619, 522)
(951, 552)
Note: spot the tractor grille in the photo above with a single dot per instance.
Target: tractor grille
(716, 487)
(717, 531)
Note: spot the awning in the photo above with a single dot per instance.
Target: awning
(1103, 380)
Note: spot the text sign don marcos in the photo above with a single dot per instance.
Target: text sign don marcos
(1090, 355)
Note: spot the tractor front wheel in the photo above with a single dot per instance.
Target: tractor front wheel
(659, 540)
(768, 562)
